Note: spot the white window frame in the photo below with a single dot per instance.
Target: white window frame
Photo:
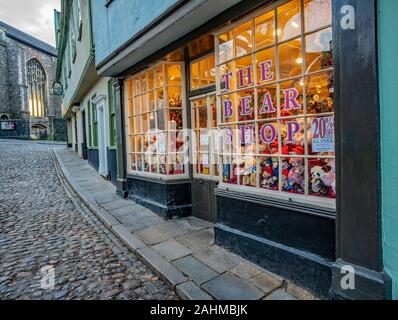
(190, 72)
(129, 132)
(293, 198)
(212, 150)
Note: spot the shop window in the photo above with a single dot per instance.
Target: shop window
(203, 72)
(204, 136)
(275, 92)
(156, 121)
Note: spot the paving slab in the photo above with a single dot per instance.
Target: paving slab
(143, 223)
(164, 269)
(117, 204)
(197, 271)
(189, 291)
(218, 258)
(132, 217)
(171, 249)
(154, 234)
(280, 295)
(132, 208)
(245, 270)
(230, 287)
(198, 222)
(197, 240)
(104, 197)
(266, 282)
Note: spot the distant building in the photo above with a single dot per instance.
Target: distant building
(28, 107)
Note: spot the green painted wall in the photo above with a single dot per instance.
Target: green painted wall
(388, 68)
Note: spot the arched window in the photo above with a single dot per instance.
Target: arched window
(37, 87)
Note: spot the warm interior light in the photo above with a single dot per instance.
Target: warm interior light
(299, 60)
(295, 24)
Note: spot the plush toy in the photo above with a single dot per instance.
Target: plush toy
(329, 177)
(316, 182)
(295, 177)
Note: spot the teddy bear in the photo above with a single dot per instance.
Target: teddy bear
(329, 177)
(316, 182)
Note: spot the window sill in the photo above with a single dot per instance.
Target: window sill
(155, 178)
(326, 209)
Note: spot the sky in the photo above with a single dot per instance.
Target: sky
(35, 17)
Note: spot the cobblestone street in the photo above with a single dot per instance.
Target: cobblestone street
(42, 223)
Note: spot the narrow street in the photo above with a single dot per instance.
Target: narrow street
(42, 223)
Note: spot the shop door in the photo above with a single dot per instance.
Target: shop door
(204, 156)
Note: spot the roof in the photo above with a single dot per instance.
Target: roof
(28, 39)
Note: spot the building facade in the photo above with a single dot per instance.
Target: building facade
(28, 106)
(252, 115)
(87, 100)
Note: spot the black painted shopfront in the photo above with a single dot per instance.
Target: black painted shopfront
(296, 90)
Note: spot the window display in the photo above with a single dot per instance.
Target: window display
(203, 73)
(275, 92)
(156, 120)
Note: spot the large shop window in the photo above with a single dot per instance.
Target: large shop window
(275, 102)
(156, 121)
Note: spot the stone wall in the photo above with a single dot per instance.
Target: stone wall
(14, 96)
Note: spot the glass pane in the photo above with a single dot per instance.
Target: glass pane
(292, 135)
(195, 75)
(203, 164)
(268, 138)
(159, 76)
(226, 47)
(160, 99)
(132, 144)
(138, 143)
(137, 87)
(175, 119)
(320, 92)
(151, 100)
(317, 14)
(265, 30)
(144, 103)
(227, 140)
(145, 122)
(203, 73)
(213, 111)
(161, 119)
(212, 69)
(289, 20)
(290, 59)
(151, 80)
(320, 132)
(244, 39)
(293, 175)
(266, 66)
(143, 83)
(244, 72)
(140, 165)
(291, 98)
(228, 108)
(226, 77)
(173, 74)
(322, 174)
(175, 98)
(137, 105)
(267, 102)
(319, 54)
(269, 173)
(246, 105)
(229, 170)
(163, 164)
(152, 121)
(247, 170)
(137, 124)
(133, 162)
